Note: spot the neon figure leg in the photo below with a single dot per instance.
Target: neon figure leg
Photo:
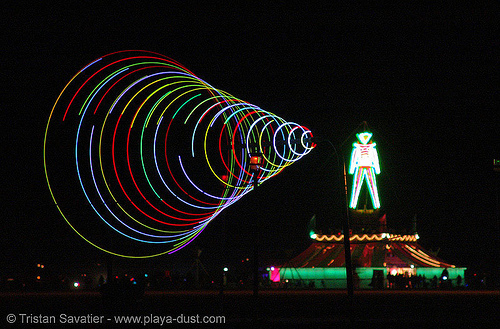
(357, 182)
(372, 185)
(360, 174)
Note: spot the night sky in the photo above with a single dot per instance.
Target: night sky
(424, 77)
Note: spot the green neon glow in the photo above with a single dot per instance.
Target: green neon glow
(335, 277)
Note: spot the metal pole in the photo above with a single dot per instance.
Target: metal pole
(347, 243)
(255, 246)
(345, 224)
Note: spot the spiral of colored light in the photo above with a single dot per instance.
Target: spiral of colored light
(156, 152)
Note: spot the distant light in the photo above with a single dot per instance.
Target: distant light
(275, 274)
(37, 265)
(412, 266)
(38, 277)
(146, 275)
(313, 236)
(416, 236)
(76, 284)
(256, 160)
(394, 272)
(445, 278)
(226, 269)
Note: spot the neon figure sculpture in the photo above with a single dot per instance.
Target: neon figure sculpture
(364, 164)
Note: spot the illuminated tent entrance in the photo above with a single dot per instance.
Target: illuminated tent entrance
(380, 261)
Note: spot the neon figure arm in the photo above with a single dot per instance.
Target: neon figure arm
(354, 158)
(376, 164)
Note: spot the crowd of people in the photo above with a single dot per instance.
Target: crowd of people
(402, 281)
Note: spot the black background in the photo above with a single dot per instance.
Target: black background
(424, 77)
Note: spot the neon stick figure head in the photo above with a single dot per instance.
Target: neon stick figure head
(364, 137)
